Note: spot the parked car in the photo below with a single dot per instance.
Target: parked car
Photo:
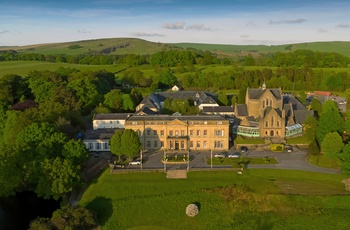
(234, 155)
(135, 162)
(220, 155)
(289, 149)
(244, 149)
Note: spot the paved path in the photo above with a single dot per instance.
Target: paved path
(295, 160)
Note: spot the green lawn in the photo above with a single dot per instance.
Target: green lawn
(237, 162)
(260, 199)
(298, 140)
(252, 141)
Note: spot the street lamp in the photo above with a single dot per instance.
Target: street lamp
(141, 157)
(211, 158)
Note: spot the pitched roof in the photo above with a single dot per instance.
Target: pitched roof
(165, 117)
(301, 115)
(297, 105)
(257, 93)
(269, 109)
(111, 116)
(242, 110)
(218, 109)
(145, 110)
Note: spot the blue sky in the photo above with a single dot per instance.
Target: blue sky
(237, 22)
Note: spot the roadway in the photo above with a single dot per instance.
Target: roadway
(296, 160)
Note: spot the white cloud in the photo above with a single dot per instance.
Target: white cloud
(288, 21)
(322, 31)
(198, 27)
(251, 24)
(143, 34)
(4, 32)
(343, 25)
(83, 31)
(174, 26)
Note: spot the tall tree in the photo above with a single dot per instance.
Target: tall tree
(113, 100)
(241, 94)
(345, 159)
(167, 77)
(115, 144)
(332, 145)
(130, 143)
(330, 121)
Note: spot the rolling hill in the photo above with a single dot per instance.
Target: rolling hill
(139, 46)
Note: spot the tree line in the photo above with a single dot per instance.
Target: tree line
(329, 132)
(174, 57)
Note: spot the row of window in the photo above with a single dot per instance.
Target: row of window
(98, 146)
(272, 123)
(163, 122)
(266, 103)
(106, 122)
(218, 133)
(181, 144)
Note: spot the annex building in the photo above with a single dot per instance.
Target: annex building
(268, 113)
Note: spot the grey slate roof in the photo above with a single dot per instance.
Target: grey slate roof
(146, 110)
(218, 109)
(297, 105)
(257, 93)
(173, 117)
(301, 115)
(242, 110)
(111, 116)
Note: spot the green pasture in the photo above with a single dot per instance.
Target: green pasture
(24, 67)
(337, 47)
(257, 199)
(135, 46)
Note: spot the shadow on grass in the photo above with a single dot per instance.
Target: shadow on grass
(264, 224)
(198, 205)
(102, 207)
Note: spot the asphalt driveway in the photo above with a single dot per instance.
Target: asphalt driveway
(295, 160)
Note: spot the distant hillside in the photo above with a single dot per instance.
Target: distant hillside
(337, 47)
(139, 46)
(98, 46)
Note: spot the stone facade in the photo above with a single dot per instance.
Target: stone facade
(269, 113)
(176, 132)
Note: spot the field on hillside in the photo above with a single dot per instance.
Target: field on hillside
(24, 67)
(125, 46)
(337, 47)
(258, 199)
(139, 46)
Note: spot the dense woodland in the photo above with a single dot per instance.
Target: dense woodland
(171, 58)
(43, 112)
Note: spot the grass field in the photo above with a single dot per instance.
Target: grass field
(258, 199)
(24, 67)
(337, 47)
(135, 46)
(238, 162)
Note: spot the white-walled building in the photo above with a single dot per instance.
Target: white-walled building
(109, 120)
